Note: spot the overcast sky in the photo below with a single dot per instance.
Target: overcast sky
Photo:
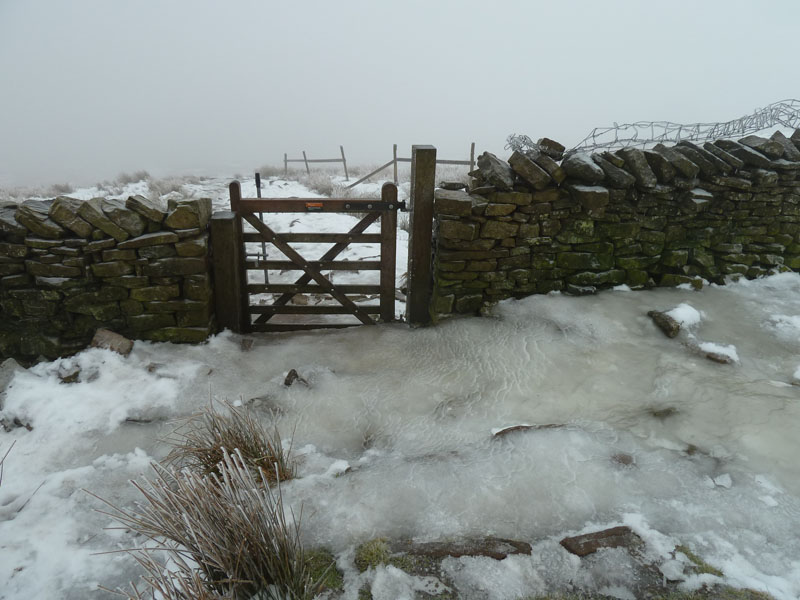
(91, 88)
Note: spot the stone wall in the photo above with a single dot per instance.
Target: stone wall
(69, 267)
(666, 216)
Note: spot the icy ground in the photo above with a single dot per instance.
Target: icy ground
(411, 412)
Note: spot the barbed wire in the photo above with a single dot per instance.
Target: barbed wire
(646, 133)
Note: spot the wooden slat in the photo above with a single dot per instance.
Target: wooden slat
(314, 273)
(328, 265)
(285, 288)
(320, 238)
(255, 205)
(388, 253)
(332, 253)
(278, 327)
(365, 177)
(318, 309)
(423, 183)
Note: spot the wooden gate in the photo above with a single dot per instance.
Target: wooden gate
(257, 316)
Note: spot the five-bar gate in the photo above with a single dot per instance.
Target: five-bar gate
(237, 290)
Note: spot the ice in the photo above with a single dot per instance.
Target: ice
(394, 437)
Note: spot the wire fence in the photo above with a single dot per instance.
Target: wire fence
(785, 113)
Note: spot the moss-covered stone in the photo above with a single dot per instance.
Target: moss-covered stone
(155, 293)
(178, 335)
(584, 260)
(321, 565)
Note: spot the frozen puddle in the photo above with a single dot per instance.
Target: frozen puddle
(394, 434)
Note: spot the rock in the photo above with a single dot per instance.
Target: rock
(124, 217)
(769, 147)
(69, 375)
(455, 203)
(150, 209)
(186, 214)
(580, 166)
(624, 459)
(293, 376)
(720, 358)
(490, 547)
(529, 171)
(92, 211)
(9, 225)
(499, 230)
(453, 185)
(495, 172)
(551, 148)
(64, 211)
(112, 269)
(590, 197)
(717, 164)
(636, 164)
(736, 163)
(683, 165)
(745, 153)
(616, 537)
(551, 167)
(35, 215)
(149, 239)
(665, 323)
(503, 431)
(790, 151)
(707, 168)
(663, 169)
(615, 177)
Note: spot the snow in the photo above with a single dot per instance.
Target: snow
(394, 433)
(729, 350)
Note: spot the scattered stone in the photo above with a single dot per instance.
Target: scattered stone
(665, 323)
(15, 423)
(70, 375)
(663, 413)
(104, 338)
(624, 459)
(616, 537)
(720, 358)
(495, 172)
(293, 376)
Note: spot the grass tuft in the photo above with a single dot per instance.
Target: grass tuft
(201, 443)
(229, 523)
(372, 554)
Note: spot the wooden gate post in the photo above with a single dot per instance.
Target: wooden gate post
(423, 183)
(230, 276)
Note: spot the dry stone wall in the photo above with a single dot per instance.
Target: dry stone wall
(666, 216)
(69, 267)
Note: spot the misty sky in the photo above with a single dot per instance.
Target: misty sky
(91, 88)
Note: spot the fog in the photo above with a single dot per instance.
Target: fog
(91, 88)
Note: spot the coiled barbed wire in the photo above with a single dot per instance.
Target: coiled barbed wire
(646, 133)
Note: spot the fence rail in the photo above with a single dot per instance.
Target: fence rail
(396, 159)
(307, 161)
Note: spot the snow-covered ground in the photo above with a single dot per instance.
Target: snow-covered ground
(411, 413)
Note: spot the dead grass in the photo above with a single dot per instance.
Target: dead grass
(2, 460)
(229, 523)
(201, 442)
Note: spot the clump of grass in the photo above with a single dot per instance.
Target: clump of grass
(372, 554)
(60, 189)
(136, 176)
(201, 443)
(229, 523)
(270, 171)
(700, 566)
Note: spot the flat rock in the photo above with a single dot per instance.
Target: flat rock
(293, 376)
(736, 163)
(683, 165)
(123, 217)
(615, 177)
(768, 147)
(551, 148)
(495, 172)
(35, 215)
(616, 537)
(636, 164)
(456, 203)
(665, 323)
(64, 211)
(490, 547)
(104, 338)
(745, 153)
(452, 185)
(150, 209)
(92, 211)
(580, 166)
(529, 171)
(187, 214)
(9, 225)
(665, 172)
(589, 196)
(716, 164)
(150, 239)
(551, 166)
(790, 151)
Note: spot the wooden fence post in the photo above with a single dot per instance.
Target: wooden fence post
(229, 272)
(394, 155)
(472, 157)
(308, 171)
(388, 251)
(344, 162)
(423, 183)
(285, 165)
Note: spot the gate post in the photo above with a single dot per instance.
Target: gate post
(229, 272)
(423, 183)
